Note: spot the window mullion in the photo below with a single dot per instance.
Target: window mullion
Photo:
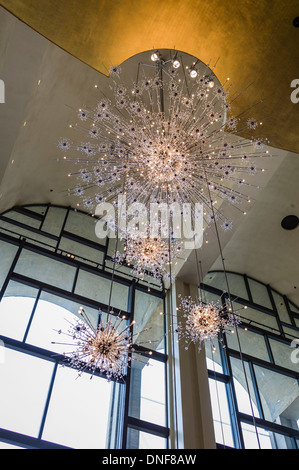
(47, 401)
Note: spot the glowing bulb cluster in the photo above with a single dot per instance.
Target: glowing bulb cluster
(203, 321)
(104, 348)
(149, 255)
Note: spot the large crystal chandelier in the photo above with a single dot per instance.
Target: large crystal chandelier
(165, 134)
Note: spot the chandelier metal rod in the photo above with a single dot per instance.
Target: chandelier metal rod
(233, 315)
(171, 308)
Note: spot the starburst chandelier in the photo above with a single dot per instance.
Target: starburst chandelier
(106, 348)
(149, 256)
(166, 135)
(203, 321)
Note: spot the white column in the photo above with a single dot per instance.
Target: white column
(191, 420)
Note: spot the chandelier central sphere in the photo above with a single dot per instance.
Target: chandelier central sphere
(148, 255)
(203, 321)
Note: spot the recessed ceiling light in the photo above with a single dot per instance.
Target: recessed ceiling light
(290, 222)
(296, 22)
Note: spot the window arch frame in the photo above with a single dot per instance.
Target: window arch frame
(21, 235)
(226, 376)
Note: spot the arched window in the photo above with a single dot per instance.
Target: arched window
(52, 264)
(254, 373)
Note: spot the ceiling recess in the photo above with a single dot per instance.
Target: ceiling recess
(296, 22)
(290, 222)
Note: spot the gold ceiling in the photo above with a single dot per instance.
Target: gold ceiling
(255, 40)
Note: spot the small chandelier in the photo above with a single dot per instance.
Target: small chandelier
(203, 321)
(149, 255)
(106, 348)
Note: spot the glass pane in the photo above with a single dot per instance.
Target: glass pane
(147, 397)
(46, 270)
(54, 220)
(7, 252)
(143, 440)
(279, 441)
(211, 297)
(83, 225)
(251, 343)
(150, 283)
(24, 219)
(38, 209)
(98, 288)
(82, 252)
(236, 284)
(221, 415)
(47, 320)
(25, 383)
(281, 307)
(37, 238)
(260, 294)
(259, 319)
(244, 387)
(279, 396)
(290, 333)
(79, 410)
(284, 355)
(123, 271)
(293, 307)
(258, 438)
(255, 438)
(149, 321)
(15, 309)
(5, 445)
(70, 305)
(213, 356)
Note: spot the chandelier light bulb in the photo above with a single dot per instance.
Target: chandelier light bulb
(176, 63)
(193, 72)
(155, 56)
